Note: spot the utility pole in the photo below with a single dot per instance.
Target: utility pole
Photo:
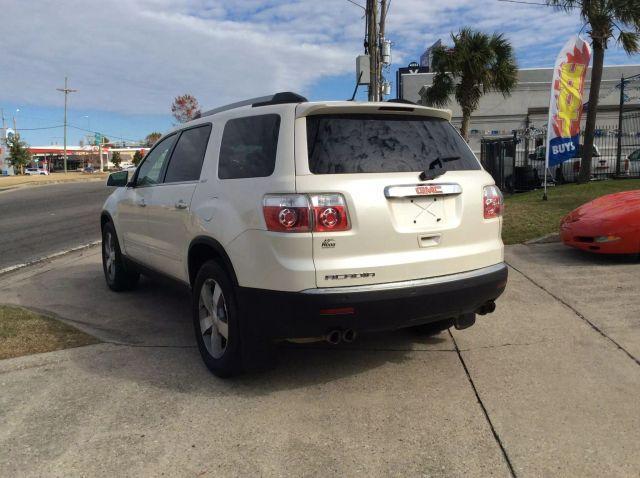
(372, 42)
(66, 90)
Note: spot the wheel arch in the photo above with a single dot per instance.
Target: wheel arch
(203, 249)
(105, 217)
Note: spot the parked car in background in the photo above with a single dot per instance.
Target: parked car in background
(89, 169)
(601, 166)
(607, 225)
(36, 172)
(634, 163)
(371, 217)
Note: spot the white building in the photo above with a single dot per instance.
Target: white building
(528, 103)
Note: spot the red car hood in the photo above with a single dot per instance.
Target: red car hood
(623, 206)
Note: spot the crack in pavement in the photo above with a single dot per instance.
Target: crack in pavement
(484, 347)
(577, 313)
(484, 409)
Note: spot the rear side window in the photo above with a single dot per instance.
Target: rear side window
(249, 147)
(341, 144)
(187, 157)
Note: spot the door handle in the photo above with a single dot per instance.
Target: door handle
(181, 204)
(142, 203)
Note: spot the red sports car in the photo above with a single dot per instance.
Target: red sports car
(607, 225)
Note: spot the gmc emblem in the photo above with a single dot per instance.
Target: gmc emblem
(428, 190)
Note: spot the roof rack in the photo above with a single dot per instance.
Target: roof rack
(275, 99)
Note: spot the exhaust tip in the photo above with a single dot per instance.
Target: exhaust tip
(487, 308)
(334, 337)
(349, 335)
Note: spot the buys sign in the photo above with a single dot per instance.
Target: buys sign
(565, 109)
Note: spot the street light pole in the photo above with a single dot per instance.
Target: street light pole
(66, 90)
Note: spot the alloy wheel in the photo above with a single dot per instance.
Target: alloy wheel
(214, 318)
(109, 248)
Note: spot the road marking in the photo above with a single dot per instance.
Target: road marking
(40, 260)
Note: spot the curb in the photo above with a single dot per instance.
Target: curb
(50, 257)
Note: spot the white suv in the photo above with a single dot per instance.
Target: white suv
(292, 219)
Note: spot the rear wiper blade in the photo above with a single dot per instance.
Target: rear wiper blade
(430, 174)
(433, 173)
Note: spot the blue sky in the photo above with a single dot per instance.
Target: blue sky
(128, 59)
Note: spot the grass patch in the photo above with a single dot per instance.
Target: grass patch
(527, 216)
(23, 332)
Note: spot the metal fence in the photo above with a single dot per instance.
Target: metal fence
(517, 163)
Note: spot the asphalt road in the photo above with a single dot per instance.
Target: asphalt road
(41, 220)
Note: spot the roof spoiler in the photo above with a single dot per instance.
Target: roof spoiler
(275, 99)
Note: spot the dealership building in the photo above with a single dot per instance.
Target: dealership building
(528, 104)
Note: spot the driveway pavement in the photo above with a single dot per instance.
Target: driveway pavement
(546, 386)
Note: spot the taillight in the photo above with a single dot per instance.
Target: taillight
(287, 212)
(329, 213)
(492, 201)
(304, 213)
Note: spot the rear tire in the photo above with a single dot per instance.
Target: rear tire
(216, 321)
(433, 328)
(119, 277)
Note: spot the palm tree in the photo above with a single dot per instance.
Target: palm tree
(478, 63)
(606, 18)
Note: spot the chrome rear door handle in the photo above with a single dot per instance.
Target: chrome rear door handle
(181, 204)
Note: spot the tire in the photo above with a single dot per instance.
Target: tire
(119, 278)
(216, 321)
(433, 328)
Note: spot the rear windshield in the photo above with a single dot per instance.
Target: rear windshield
(356, 143)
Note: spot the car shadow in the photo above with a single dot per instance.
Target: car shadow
(156, 347)
(564, 255)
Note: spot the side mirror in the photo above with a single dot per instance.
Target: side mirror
(118, 179)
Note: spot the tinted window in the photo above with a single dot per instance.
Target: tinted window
(153, 165)
(186, 160)
(249, 147)
(339, 144)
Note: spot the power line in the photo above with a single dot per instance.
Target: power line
(44, 127)
(104, 134)
(526, 3)
(357, 4)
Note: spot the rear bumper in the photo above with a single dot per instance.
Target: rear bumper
(368, 308)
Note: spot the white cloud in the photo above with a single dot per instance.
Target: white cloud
(135, 56)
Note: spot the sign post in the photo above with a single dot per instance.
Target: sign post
(565, 107)
(98, 141)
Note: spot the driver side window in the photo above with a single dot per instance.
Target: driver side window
(152, 167)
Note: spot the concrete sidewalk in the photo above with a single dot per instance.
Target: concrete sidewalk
(533, 388)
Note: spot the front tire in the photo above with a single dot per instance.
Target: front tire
(216, 321)
(116, 273)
